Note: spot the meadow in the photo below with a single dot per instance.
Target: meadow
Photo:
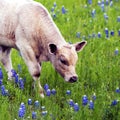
(96, 94)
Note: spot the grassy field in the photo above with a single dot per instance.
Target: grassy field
(98, 68)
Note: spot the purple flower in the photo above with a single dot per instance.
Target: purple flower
(107, 2)
(93, 13)
(53, 91)
(114, 102)
(29, 101)
(118, 32)
(117, 90)
(46, 87)
(16, 78)
(22, 105)
(112, 33)
(20, 113)
(44, 113)
(94, 96)
(1, 74)
(3, 90)
(105, 16)
(13, 72)
(99, 2)
(68, 92)
(63, 10)
(76, 107)
(42, 107)
(78, 34)
(71, 103)
(52, 9)
(48, 92)
(118, 18)
(54, 4)
(90, 1)
(1, 82)
(116, 51)
(34, 115)
(36, 104)
(21, 83)
(84, 100)
(99, 35)
(91, 105)
(111, 3)
(103, 7)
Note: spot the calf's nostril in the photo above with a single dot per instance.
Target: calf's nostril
(73, 79)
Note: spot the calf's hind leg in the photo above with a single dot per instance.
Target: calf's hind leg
(6, 60)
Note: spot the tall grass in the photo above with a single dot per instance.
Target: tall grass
(98, 68)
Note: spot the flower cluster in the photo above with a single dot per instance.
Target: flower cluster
(22, 110)
(48, 91)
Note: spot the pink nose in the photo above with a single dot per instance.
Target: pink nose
(73, 79)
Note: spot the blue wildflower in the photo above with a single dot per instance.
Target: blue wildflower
(36, 104)
(20, 113)
(63, 10)
(29, 101)
(16, 78)
(107, 2)
(13, 72)
(117, 90)
(112, 33)
(99, 35)
(114, 102)
(99, 3)
(90, 1)
(48, 92)
(105, 16)
(118, 18)
(1, 74)
(102, 1)
(91, 105)
(46, 87)
(52, 9)
(84, 100)
(118, 32)
(116, 51)
(78, 34)
(53, 91)
(111, 3)
(1, 82)
(93, 13)
(103, 7)
(44, 113)
(76, 107)
(94, 96)
(42, 107)
(3, 90)
(21, 83)
(54, 4)
(22, 105)
(34, 115)
(71, 103)
(68, 92)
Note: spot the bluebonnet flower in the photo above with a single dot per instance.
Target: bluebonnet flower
(114, 102)
(90, 1)
(52, 9)
(46, 87)
(68, 92)
(94, 96)
(105, 16)
(1, 82)
(63, 10)
(20, 113)
(117, 90)
(48, 92)
(103, 7)
(111, 3)
(16, 78)
(71, 103)
(91, 105)
(1, 74)
(21, 83)
(36, 104)
(76, 107)
(22, 105)
(13, 72)
(84, 100)
(44, 113)
(78, 34)
(106, 32)
(54, 15)
(53, 91)
(102, 1)
(118, 18)
(3, 90)
(118, 32)
(29, 101)
(112, 33)
(99, 35)
(93, 13)
(99, 3)
(107, 2)
(116, 51)
(54, 4)
(34, 115)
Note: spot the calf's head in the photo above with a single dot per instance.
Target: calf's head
(64, 59)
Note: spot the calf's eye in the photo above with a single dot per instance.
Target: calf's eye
(64, 62)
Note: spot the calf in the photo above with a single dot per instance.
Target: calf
(28, 27)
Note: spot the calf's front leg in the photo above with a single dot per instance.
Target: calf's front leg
(33, 65)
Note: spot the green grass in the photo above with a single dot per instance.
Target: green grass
(98, 68)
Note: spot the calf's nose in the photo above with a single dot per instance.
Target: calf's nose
(73, 79)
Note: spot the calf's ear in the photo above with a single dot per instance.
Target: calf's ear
(80, 45)
(52, 48)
